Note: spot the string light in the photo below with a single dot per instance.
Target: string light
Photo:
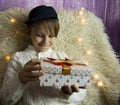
(80, 39)
(100, 83)
(89, 52)
(16, 32)
(7, 58)
(96, 77)
(83, 21)
(0, 26)
(6, 38)
(82, 9)
(86, 63)
(81, 13)
(12, 20)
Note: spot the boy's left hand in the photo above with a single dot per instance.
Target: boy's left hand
(70, 89)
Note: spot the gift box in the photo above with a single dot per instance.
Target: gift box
(60, 72)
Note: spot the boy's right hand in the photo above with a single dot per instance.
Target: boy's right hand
(27, 74)
(70, 89)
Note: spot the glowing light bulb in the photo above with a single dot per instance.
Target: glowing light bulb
(96, 77)
(81, 12)
(0, 26)
(82, 8)
(80, 39)
(16, 32)
(7, 57)
(89, 52)
(83, 21)
(100, 83)
(86, 63)
(12, 20)
(6, 38)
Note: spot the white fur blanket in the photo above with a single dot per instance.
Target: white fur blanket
(93, 48)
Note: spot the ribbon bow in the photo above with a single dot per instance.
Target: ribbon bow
(65, 63)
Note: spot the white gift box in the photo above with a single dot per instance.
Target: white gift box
(55, 75)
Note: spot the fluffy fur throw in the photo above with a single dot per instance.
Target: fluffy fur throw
(102, 60)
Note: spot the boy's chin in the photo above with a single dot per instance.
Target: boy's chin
(43, 49)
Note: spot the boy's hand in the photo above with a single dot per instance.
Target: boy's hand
(27, 74)
(70, 89)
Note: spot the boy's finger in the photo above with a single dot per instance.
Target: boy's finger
(31, 79)
(33, 68)
(34, 74)
(33, 62)
(67, 90)
(75, 88)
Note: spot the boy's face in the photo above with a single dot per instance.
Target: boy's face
(42, 38)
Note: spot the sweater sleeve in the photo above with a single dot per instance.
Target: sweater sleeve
(12, 89)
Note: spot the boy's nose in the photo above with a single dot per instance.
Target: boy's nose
(46, 39)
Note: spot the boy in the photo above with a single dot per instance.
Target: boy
(21, 84)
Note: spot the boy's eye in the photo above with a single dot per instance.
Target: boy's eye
(42, 35)
(51, 36)
(39, 35)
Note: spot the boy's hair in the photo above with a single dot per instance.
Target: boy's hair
(50, 24)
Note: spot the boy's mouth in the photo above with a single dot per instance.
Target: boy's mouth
(43, 45)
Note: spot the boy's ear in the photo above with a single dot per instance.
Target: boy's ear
(28, 34)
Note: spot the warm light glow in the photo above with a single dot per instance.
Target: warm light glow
(96, 77)
(86, 63)
(80, 39)
(83, 21)
(7, 57)
(82, 8)
(81, 12)
(89, 52)
(16, 32)
(0, 26)
(100, 83)
(6, 38)
(12, 20)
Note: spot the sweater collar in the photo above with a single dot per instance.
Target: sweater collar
(32, 50)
